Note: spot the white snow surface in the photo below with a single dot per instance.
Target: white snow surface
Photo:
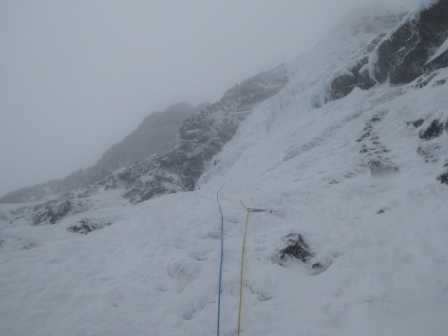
(443, 48)
(154, 271)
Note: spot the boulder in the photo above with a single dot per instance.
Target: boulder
(295, 247)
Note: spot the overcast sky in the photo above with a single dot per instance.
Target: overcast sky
(78, 76)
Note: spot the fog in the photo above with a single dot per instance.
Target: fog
(78, 76)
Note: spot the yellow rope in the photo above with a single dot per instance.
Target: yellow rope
(242, 269)
(244, 205)
(229, 199)
(243, 252)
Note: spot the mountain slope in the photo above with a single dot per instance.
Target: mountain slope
(152, 136)
(355, 174)
(201, 136)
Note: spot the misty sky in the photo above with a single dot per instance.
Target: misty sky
(78, 76)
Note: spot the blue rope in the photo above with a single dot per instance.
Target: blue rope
(222, 258)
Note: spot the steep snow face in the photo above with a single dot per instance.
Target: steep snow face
(356, 177)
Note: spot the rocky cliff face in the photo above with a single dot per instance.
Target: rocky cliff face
(398, 55)
(152, 136)
(167, 167)
(405, 53)
(412, 51)
(200, 138)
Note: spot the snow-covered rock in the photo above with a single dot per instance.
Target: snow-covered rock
(406, 52)
(200, 138)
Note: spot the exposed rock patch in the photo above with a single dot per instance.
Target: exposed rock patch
(430, 152)
(87, 225)
(381, 168)
(417, 123)
(422, 82)
(443, 178)
(434, 130)
(439, 82)
(296, 247)
(353, 77)
(152, 136)
(53, 211)
(201, 137)
(400, 56)
(372, 148)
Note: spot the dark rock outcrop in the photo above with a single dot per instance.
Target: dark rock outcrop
(296, 247)
(53, 211)
(443, 178)
(425, 80)
(400, 56)
(353, 77)
(87, 225)
(152, 136)
(434, 130)
(355, 73)
(201, 137)
(417, 123)
(432, 148)
(403, 56)
(381, 168)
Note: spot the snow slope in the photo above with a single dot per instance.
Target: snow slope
(382, 231)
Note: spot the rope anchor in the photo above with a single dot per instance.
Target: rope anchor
(259, 210)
